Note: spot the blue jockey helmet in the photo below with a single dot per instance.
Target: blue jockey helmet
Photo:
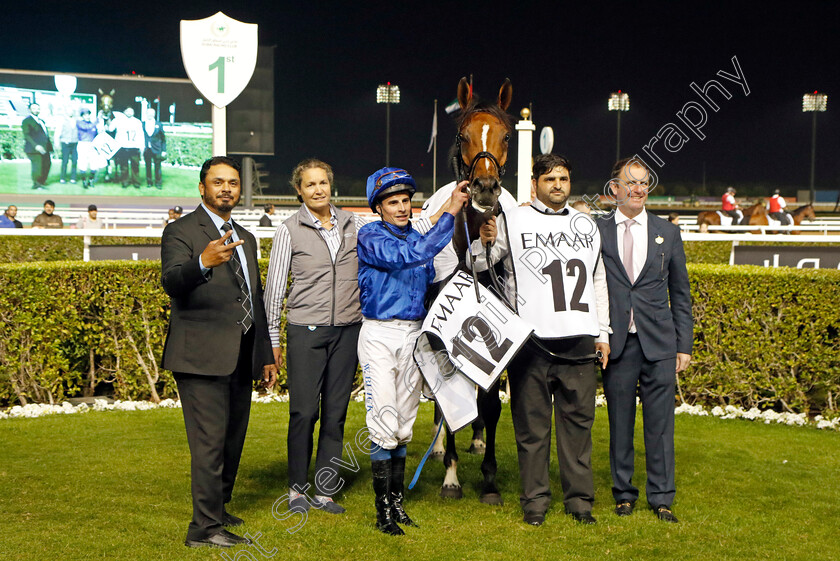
(388, 181)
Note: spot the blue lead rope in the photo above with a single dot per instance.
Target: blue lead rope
(425, 456)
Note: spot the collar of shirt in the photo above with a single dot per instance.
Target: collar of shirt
(641, 218)
(540, 206)
(317, 222)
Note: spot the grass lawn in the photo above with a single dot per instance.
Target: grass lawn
(15, 178)
(115, 485)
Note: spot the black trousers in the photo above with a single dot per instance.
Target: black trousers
(657, 385)
(216, 412)
(321, 366)
(153, 161)
(534, 382)
(40, 167)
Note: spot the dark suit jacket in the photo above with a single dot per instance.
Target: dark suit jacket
(34, 135)
(204, 337)
(660, 297)
(156, 142)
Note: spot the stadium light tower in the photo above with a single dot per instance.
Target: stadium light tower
(618, 102)
(388, 93)
(814, 102)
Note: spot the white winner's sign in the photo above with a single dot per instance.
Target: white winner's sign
(469, 342)
(220, 54)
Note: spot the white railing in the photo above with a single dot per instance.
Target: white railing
(268, 232)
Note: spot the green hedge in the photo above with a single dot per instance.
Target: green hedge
(21, 249)
(763, 337)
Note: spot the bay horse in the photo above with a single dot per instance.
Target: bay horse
(805, 212)
(479, 156)
(708, 218)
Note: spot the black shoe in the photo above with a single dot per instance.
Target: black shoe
(398, 513)
(222, 539)
(624, 508)
(583, 517)
(328, 505)
(230, 520)
(299, 504)
(664, 514)
(534, 518)
(381, 482)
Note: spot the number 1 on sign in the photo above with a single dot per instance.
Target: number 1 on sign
(220, 64)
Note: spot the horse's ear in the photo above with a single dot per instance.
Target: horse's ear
(464, 93)
(505, 94)
(112, 92)
(101, 93)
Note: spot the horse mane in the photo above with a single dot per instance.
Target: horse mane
(482, 106)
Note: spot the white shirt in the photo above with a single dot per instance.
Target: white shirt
(639, 231)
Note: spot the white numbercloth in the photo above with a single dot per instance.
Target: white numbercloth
(393, 382)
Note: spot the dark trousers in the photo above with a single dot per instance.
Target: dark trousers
(657, 384)
(216, 411)
(129, 158)
(153, 161)
(781, 217)
(321, 367)
(40, 167)
(534, 381)
(70, 154)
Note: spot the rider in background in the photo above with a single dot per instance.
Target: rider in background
(776, 208)
(731, 207)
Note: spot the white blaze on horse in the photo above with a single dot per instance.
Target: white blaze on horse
(478, 156)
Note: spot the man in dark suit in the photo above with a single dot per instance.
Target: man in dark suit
(217, 343)
(652, 334)
(155, 148)
(37, 145)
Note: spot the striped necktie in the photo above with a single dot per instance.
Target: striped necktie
(248, 320)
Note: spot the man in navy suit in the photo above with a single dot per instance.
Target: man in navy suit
(155, 150)
(650, 316)
(37, 146)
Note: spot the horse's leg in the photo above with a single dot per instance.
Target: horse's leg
(439, 449)
(477, 446)
(490, 410)
(451, 488)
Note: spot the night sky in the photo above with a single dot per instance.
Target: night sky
(563, 58)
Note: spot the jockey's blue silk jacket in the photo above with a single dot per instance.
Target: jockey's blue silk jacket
(396, 267)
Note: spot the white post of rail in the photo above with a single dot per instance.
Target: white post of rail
(86, 251)
(525, 143)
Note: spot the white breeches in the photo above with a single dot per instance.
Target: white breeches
(392, 380)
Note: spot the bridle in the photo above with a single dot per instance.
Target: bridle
(470, 168)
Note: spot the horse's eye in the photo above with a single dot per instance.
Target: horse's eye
(461, 137)
(507, 138)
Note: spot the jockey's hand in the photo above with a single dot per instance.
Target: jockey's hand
(459, 198)
(488, 231)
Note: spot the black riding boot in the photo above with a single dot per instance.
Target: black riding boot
(381, 482)
(397, 483)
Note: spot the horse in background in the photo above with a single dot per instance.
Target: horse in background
(799, 215)
(708, 218)
(479, 156)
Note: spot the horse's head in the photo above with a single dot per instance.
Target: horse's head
(484, 131)
(806, 212)
(106, 102)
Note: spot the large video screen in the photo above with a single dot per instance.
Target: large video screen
(97, 134)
